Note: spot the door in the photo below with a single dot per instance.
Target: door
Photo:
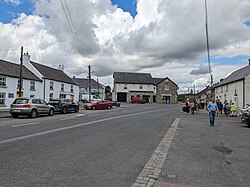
(122, 97)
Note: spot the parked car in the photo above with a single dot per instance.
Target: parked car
(30, 107)
(245, 117)
(137, 100)
(64, 105)
(245, 108)
(99, 105)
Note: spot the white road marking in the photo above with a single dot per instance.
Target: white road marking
(93, 115)
(151, 171)
(78, 115)
(75, 126)
(67, 118)
(20, 125)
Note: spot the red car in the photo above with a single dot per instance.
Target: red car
(99, 105)
(137, 100)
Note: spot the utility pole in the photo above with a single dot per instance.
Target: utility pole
(208, 52)
(89, 84)
(98, 87)
(194, 90)
(21, 73)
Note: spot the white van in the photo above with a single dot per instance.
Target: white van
(85, 98)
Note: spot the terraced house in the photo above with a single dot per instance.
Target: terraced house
(154, 90)
(9, 83)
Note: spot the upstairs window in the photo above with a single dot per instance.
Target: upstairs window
(62, 87)
(51, 85)
(125, 86)
(2, 81)
(72, 88)
(18, 84)
(32, 85)
(226, 88)
(167, 88)
(140, 86)
(221, 90)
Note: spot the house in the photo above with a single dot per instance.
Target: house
(56, 84)
(9, 83)
(166, 90)
(96, 88)
(235, 88)
(128, 85)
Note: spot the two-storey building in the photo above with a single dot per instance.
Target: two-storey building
(235, 88)
(129, 85)
(56, 84)
(10, 82)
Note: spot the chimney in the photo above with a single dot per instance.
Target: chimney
(26, 58)
(61, 67)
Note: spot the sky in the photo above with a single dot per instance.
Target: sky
(163, 37)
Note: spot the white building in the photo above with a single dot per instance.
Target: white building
(56, 84)
(9, 84)
(235, 88)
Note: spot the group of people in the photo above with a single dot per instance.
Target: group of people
(215, 108)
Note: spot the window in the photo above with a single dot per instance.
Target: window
(51, 85)
(226, 88)
(221, 90)
(167, 88)
(62, 87)
(125, 86)
(51, 96)
(18, 84)
(62, 96)
(72, 88)
(2, 98)
(2, 81)
(32, 85)
(140, 87)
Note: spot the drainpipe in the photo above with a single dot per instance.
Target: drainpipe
(244, 93)
(44, 86)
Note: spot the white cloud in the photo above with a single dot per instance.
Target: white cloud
(166, 38)
(14, 2)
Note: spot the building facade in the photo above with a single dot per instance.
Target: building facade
(56, 84)
(96, 88)
(129, 85)
(9, 83)
(235, 88)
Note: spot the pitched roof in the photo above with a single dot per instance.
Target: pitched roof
(132, 78)
(85, 83)
(13, 70)
(53, 74)
(235, 76)
(157, 80)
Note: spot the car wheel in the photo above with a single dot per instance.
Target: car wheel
(51, 112)
(64, 110)
(15, 115)
(109, 107)
(93, 107)
(33, 113)
(76, 110)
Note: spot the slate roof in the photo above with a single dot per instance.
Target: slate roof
(157, 80)
(235, 76)
(84, 83)
(132, 78)
(53, 74)
(13, 70)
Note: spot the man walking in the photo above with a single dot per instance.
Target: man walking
(213, 109)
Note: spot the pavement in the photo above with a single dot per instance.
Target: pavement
(201, 155)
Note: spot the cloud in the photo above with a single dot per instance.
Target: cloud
(166, 38)
(13, 2)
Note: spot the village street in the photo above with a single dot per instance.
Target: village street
(131, 145)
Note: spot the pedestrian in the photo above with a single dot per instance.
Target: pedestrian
(187, 105)
(198, 102)
(226, 108)
(220, 106)
(233, 109)
(192, 106)
(213, 109)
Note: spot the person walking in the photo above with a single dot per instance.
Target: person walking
(213, 109)
(192, 106)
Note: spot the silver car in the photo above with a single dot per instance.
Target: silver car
(30, 107)
(245, 108)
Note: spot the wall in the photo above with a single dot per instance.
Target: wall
(161, 92)
(12, 90)
(247, 89)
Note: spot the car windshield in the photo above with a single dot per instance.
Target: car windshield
(21, 101)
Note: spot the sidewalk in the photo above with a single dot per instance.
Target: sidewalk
(4, 114)
(201, 155)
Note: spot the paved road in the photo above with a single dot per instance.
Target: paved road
(91, 148)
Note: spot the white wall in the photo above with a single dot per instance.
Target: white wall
(134, 87)
(11, 90)
(230, 94)
(247, 89)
